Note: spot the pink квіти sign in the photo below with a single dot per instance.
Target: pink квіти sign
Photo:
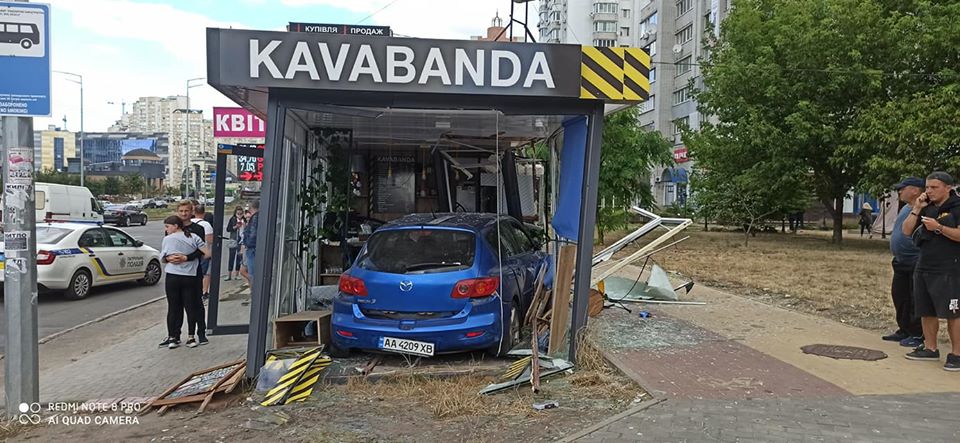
(237, 122)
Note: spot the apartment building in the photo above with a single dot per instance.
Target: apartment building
(673, 33)
(53, 147)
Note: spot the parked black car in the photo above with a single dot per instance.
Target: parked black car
(124, 215)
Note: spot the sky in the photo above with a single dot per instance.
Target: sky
(126, 49)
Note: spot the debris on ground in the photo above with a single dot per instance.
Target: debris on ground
(201, 386)
(298, 380)
(546, 405)
(521, 372)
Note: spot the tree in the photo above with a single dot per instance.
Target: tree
(787, 81)
(112, 186)
(132, 184)
(916, 131)
(627, 154)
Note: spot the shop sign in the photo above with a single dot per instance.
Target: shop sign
(680, 155)
(325, 28)
(323, 61)
(237, 122)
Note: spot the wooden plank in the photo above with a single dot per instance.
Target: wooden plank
(538, 294)
(534, 357)
(219, 383)
(562, 282)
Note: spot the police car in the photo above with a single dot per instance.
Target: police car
(74, 257)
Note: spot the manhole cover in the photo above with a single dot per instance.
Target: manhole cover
(844, 352)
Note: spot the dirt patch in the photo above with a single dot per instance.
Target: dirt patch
(795, 271)
(405, 407)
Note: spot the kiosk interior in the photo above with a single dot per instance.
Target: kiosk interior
(370, 128)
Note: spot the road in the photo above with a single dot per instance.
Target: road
(56, 314)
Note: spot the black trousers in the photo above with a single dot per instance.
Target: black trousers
(181, 291)
(235, 260)
(198, 323)
(902, 293)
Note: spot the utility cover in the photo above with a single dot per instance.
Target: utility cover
(841, 352)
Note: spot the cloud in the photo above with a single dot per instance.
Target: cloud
(448, 19)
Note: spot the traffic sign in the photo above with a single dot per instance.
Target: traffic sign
(25, 59)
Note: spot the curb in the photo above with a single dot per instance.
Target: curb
(594, 428)
(99, 319)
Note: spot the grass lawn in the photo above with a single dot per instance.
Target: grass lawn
(798, 271)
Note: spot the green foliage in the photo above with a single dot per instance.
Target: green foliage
(112, 186)
(788, 80)
(627, 153)
(132, 185)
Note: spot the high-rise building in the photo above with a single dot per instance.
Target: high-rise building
(171, 116)
(673, 33)
(52, 149)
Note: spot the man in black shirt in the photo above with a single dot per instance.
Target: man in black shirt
(933, 223)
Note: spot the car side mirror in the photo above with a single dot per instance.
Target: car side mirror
(137, 243)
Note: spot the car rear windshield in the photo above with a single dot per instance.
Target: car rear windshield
(49, 235)
(419, 251)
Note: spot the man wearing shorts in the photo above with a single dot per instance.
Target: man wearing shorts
(933, 223)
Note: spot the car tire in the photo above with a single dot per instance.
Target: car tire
(80, 285)
(125, 221)
(512, 335)
(152, 275)
(338, 352)
(144, 221)
(26, 44)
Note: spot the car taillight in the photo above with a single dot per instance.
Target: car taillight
(476, 287)
(45, 257)
(352, 285)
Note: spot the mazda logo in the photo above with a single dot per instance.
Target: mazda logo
(406, 285)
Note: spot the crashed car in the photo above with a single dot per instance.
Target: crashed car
(429, 284)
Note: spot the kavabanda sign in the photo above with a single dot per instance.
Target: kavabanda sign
(317, 61)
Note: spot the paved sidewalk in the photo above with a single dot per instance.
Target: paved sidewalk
(891, 418)
(137, 367)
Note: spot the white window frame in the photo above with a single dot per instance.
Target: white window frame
(683, 94)
(684, 6)
(684, 65)
(685, 35)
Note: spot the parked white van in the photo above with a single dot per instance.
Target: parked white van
(66, 203)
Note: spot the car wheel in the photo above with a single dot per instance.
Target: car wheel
(152, 274)
(80, 285)
(338, 352)
(124, 221)
(144, 221)
(26, 44)
(511, 337)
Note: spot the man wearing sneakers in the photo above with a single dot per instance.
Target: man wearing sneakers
(933, 223)
(909, 332)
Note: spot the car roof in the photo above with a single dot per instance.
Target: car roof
(466, 220)
(67, 225)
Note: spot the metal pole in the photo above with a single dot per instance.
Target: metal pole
(21, 363)
(588, 218)
(81, 130)
(268, 233)
(187, 138)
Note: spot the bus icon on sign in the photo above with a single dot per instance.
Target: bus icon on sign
(24, 34)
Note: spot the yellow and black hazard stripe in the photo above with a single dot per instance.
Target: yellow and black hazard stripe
(304, 387)
(601, 72)
(636, 74)
(282, 390)
(516, 368)
(614, 74)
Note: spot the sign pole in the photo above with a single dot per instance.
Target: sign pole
(21, 363)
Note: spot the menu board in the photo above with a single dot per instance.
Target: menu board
(250, 169)
(394, 185)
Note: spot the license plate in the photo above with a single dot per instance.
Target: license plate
(405, 346)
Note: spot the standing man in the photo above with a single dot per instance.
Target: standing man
(250, 239)
(199, 217)
(905, 255)
(933, 223)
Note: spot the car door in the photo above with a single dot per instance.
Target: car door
(129, 261)
(510, 253)
(96, 245)
(528, 257)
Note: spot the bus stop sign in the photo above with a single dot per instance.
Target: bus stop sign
(25, 59)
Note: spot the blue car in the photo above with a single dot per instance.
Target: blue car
(430, 284)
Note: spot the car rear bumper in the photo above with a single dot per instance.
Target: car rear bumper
(351, 329)
(47, 277)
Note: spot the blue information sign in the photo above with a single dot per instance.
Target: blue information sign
(24, 59)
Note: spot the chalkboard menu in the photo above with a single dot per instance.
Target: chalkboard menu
(394, 185)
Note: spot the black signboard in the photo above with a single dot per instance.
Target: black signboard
(394, 184)
(250, 169)
(326, 28)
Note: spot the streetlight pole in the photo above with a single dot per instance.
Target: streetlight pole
(187, 138)
(82, 135)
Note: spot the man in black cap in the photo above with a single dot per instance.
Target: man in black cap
(933, 223)
(905, 255)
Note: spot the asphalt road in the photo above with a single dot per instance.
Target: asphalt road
(56, 314)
